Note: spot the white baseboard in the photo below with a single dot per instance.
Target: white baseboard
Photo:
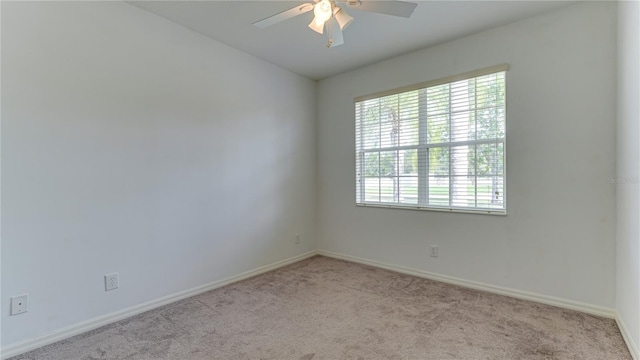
(524, 295)
(628, 339)
(79, 328)
(84, 326)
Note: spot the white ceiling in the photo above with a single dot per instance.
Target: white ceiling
(369, 39)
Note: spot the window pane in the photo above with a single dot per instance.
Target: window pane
(438, 100)
(389, 134)
(462, 95)
(490, 159)
(439, 191)
(497, 193)
(487, 127)
(499, 161)
(438, 129)
(409, 105)
(439, 161)
(463, 191)
(409, 132)
(372, 189)
(371, 112)
(463, 126)
(491, 192)
(409, 190)
(409, 162)
(500, 88)
(369, 123)
(389, 189)
(388, 166)
(460, 160)
(371, 164)
(500, 121)
(490, 114)
(487, 89)
(371, 137)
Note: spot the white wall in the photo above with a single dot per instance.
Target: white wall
(628, 172)
(558, 238)
(132, 144)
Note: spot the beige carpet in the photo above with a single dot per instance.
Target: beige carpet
(323, 308)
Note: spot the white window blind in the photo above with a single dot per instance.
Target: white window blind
(437, 145)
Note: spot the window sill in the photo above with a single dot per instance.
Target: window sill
(438, 209)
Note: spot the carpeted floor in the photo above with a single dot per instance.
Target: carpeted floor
(323, 308)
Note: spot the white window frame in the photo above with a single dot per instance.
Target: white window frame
(422, 149)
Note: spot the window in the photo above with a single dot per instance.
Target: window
(437, 146)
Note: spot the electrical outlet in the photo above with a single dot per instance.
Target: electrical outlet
(434, 250)
(297, 238)
(111, 282)
(19, 304)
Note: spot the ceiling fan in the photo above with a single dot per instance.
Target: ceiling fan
(334, 18)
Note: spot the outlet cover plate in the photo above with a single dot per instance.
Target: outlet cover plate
(111, 282)
(19, 304)
(434, 251)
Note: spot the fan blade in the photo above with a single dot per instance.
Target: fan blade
(335, 34)
(395, 8)
(287, 14)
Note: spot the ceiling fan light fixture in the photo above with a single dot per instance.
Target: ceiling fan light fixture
(323, 11)
(317, 26)
(342, 17)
